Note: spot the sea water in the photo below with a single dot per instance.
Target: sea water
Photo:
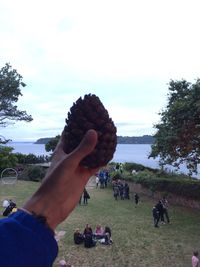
(137, 153)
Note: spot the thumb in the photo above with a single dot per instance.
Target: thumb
(86, 146)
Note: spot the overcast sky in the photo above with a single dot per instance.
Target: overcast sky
(125, 52)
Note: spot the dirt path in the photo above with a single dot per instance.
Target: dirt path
(91, 183)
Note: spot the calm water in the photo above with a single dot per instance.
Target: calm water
(123, 153)
(27, 148)
(137, 153)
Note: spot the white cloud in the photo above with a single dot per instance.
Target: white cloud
(124, 51)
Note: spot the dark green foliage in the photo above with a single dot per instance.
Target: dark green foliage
(177, 139)
(183, 188)
(31, 158)
(7, 158)
(32, 173)
(133, 166)
(130, 166)
(176, 184)
(52, 143)
(10, 90)
(115, 175)
(159, 180)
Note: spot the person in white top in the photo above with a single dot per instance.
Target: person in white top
(97, 181)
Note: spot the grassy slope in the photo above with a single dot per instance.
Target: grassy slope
(136, 241)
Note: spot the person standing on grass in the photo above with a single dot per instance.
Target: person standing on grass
(155, 214)
(165, 209)
(159, 207)
(195, 259)
(86, 196)
(97, 181)
(136, 199)
(126, 191)
(121, 189)
(115, 190)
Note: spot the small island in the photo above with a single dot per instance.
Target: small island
(145, 139)
(43, 140)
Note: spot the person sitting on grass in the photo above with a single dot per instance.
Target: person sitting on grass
(99, 232)
(89, 242)
(87, 230)
(107, 235)
(78, 237)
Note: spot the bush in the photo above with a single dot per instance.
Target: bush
(129, 166)
(160, 180)
(115, 175)
(188, 188)
(32, 173)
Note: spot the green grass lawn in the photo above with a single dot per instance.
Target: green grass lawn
(135, 241)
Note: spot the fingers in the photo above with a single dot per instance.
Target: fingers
(86, 146)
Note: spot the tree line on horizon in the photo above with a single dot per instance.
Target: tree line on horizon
(145, 139)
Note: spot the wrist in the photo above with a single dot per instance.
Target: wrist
(41, 209)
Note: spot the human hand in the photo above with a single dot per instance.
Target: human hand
(64, 182)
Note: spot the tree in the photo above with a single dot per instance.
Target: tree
(177, 139)
(51, 145)
(7, 158)
(10, 90)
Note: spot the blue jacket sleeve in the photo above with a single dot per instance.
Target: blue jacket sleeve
(26, 242)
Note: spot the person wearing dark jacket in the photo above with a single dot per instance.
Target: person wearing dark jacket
(126, 191)
(86, 196)
(155, 214)
(78, 237)
(159, 207)
(136, 199)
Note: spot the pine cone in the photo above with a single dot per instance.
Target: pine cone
(85, 114)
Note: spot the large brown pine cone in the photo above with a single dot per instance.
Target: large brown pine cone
(85, 114)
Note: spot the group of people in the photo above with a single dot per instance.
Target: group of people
(90, 238)
(160, 212)
(102, 178)
(120, 190)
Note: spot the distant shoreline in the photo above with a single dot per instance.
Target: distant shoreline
(145, 139)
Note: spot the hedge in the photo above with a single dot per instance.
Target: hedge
(180, 185)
